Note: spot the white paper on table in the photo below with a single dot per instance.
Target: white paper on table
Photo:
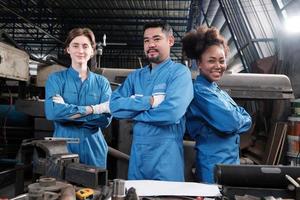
(169, 188)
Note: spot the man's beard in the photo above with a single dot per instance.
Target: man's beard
(155, 60)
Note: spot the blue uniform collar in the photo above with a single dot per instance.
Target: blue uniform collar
(203, 80)
(75, 73)
(160, 65)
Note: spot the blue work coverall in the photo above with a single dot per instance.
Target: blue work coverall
(157, 146)
(215, 121)
(92, 148)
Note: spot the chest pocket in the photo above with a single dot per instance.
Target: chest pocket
(93, 98)
(70, 97)
(69, 92)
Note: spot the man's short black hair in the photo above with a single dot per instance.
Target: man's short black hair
(159, 24)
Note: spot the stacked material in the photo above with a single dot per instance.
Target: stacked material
(293, 137)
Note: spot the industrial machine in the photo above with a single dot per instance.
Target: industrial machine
(51, 158)
(58, 173)
(258, 181)
(14, 63)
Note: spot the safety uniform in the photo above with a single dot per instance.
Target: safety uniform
(215, 121)
(157, 146)
(92, 148)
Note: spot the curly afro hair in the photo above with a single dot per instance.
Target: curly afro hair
(195, 42)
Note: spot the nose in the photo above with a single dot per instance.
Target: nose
(152, 43)
(80, 48)
(219, 65)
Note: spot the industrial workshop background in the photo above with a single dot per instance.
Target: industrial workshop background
(261, 38)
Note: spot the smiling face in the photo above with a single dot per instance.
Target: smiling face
(80, 50)
(157, 45)
(212, 63)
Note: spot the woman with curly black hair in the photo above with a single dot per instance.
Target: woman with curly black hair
(214, 120)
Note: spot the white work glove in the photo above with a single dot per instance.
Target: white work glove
(58, 99)
(101, 108)
(136, 95)
(158, 99)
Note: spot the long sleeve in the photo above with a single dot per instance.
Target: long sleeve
(101, 121)
(104, 119)
(56, 84)
(220, 111)
(179, 94)
(60, 112)
(123, 106)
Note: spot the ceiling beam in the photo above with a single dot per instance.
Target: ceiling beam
(28, 21)
(102, 8)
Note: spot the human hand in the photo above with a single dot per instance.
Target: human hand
(101, 108)
(58, 99)
(89, 110)
(157, 100)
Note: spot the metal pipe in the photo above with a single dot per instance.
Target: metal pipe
(20, 197)
(117, 154)
(16, 168)
(187, 143)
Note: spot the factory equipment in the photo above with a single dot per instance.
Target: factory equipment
(48, 188)
(52, 159)
(44, 71)
(14, 63)
(258, 180)
(257, 86)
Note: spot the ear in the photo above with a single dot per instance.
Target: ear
(171, 40)
(199, 63)
(93, 53)
(68, 50)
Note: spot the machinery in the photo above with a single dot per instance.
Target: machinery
(59, 174)
(14, 63)
(48, 188)
(50, 158)
(258, 180)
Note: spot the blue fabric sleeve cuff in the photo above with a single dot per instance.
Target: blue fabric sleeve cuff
(146, 101)
(82, 110)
